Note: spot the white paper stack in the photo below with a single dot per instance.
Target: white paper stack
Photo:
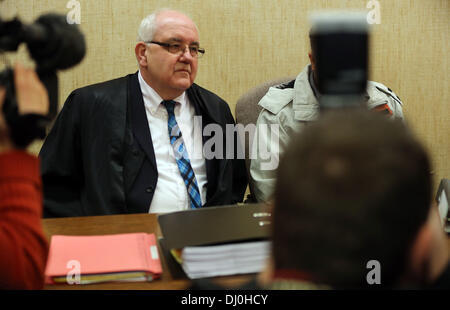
(223, 260)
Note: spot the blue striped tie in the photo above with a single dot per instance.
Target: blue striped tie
(182, 157)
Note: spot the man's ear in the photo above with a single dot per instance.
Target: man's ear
(140, 51)
(312, 60)
(429, 253)
(419, 254)
(438, 249)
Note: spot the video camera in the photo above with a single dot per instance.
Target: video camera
(54, 45)
(339, 42)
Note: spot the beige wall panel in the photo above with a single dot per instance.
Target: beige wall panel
(251, 41)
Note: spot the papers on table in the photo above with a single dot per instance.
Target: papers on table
(227, 259)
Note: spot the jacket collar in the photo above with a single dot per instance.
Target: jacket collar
(305, 104)
(197, 98)
(138, 118)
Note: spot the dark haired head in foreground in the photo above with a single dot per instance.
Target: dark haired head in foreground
(353, 188)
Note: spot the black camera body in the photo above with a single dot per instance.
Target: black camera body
(340, 44)
(54, 45)
(23, 128)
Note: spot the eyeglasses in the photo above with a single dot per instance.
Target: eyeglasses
(178, 49)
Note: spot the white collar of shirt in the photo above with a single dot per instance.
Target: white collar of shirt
(154, 99)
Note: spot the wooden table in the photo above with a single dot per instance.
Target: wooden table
(118, 224)
(132, 223)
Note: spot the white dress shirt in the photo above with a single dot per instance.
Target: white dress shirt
(171, 194)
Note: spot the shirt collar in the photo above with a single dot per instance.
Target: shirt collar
(153, 100)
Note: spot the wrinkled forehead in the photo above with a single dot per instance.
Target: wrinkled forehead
(174, 25)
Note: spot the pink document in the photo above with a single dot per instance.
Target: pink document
(91, 256)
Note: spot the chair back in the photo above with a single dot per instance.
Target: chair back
(247, 112)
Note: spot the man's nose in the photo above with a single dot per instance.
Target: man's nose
(186, 55)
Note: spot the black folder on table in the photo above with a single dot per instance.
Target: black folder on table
(212, 225)
(215, 225)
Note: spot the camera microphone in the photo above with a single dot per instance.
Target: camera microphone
(53, 43)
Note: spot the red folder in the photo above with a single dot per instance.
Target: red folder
(121, 257)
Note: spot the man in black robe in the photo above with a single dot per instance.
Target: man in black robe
(110, 151)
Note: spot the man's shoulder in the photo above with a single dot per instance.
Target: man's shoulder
(383, 99)
(379, 90)
(210, 104)
(278, 97)
(110, 87)
(197, 90)
(104, 95)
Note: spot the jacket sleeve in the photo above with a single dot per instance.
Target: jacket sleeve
(61, 163)
(23, 245)
(397, 107)
(269, 141)
(384, 100)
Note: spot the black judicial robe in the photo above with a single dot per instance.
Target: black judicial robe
(98, 158)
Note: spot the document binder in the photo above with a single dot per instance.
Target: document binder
(215, 225)
(216, 241)
(107, 258)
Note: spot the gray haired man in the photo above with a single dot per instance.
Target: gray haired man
(128, 145)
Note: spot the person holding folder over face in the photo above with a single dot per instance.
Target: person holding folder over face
(293, 106)
(135, 144)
